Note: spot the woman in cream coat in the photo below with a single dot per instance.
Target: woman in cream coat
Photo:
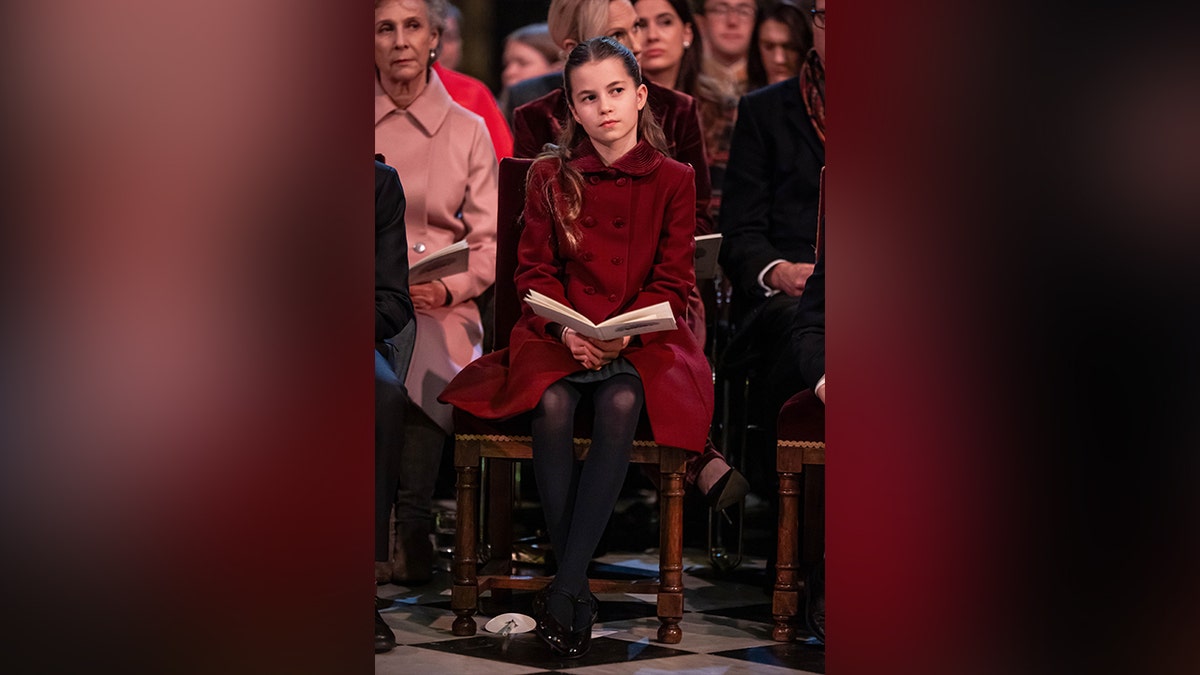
(446, 162)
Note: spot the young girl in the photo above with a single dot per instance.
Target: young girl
(609, 221)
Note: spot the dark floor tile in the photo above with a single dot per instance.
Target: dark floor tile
(757, 612)
(527, 649)
(755, 577)
(795, 655)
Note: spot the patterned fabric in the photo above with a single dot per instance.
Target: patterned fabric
(718, 113)
(812, 89)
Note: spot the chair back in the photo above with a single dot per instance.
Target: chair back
(508, 233)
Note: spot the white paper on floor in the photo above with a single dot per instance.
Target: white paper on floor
(510, 622)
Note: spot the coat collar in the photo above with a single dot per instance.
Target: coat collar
(429, 109)
(640, 161)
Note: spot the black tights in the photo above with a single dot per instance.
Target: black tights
(579, 498)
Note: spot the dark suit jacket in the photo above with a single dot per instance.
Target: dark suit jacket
(540, 121)
(808, 334)
(393, 307)
(771, 190)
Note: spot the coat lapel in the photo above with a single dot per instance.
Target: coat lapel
(796, 116)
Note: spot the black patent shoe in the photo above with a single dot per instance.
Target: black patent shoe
(385, 639)
(581, 640)
(556, 636)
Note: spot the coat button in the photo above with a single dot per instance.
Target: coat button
(590, 290)
(616, 260)
(622, 181)
(589, 221)
(612, 297)
(593, 179)
(618, 222)
(587, 256)
(419, 247)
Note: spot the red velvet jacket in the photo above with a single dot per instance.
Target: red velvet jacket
(539, 122)
(636, 250)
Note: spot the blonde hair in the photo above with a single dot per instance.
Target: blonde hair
(568, 202)
(576, 20)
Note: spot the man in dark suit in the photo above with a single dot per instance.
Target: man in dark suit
(769, 223)
(768, 220)
(393, 313)
(769, 208)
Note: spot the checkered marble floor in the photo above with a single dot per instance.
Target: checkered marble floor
(726, 629)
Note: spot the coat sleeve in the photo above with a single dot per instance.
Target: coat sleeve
(674, 272)
(690, 149)
(479, 219)
(746, 203)
(538, 265)
(393, 307)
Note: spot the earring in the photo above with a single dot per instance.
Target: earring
(686, 44)
(432, 55)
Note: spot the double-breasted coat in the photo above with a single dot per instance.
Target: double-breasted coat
(637, 224)
(448, 167)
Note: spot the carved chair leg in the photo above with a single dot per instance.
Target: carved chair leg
(465, 596)
(785, 602)
(670, 589)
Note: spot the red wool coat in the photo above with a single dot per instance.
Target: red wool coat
(636, 248)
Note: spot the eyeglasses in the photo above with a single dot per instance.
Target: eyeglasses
(742, 12)
(818, 18)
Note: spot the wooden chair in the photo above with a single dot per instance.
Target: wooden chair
(476, 438)
(800, 443)
(800, 453)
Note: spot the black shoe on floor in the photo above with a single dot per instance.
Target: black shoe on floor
(581, 639)
(557, 637)
(385, 639)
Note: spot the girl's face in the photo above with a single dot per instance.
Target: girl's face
(605, 102)
(522, 62)
(404, 37)
(662, 37)
(780, 59)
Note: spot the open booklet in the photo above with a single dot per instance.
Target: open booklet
(645, 320)
(707, 248)
(443, 263)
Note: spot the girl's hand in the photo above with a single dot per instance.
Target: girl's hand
(593, 354)
(610, 349)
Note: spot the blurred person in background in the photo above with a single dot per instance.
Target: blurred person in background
(467, 91)
(448, 167)
(672, 48)
(781, 38)
(451, 42)
(727, 26)
(529, 52)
